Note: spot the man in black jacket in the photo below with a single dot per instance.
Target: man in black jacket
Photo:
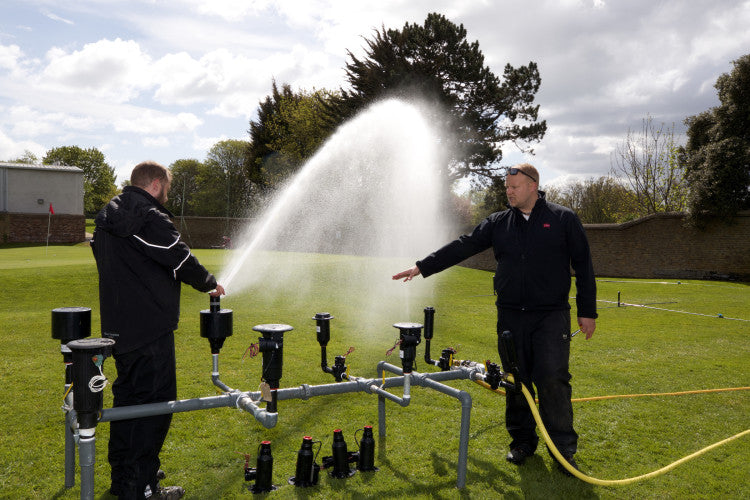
(535, 244)
(141, 263)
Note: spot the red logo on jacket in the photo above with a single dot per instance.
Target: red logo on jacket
(545, 225)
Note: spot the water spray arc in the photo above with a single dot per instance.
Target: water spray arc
(373, 189)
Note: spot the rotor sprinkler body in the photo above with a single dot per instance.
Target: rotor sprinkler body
(271, 344)
(68, 324)
(341, 457)
(216, 324)
(88, 356)
(323, 333)
(366, 458)
(307, 472)
(410, 335)
(263, 472)
(429, 325)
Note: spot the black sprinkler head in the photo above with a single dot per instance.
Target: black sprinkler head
(71, 323)
(216, 324)
(410, 335)
(323, 327)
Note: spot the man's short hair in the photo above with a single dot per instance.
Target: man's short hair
(146, 172)
(530, 170)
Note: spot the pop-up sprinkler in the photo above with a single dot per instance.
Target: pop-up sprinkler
(216, 324)
(88, 383)
(263, 472)
(271, 344)
(307, 472)
(410, 335)
(68, 324)
(366, 456)
(340, 458)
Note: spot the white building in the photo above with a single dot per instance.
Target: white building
(30, 189)
(26, 194)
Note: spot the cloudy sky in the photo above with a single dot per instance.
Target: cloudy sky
(164, 80)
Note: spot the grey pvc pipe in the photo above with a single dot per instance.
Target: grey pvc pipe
(215, 375)
(148, 410)
(87, 457)
(267, 419)
(247, 401)
(427, 380)
(70, 444)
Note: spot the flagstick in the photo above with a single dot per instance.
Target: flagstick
(49, 221)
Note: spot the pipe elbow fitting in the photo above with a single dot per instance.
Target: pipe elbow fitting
(465, 399)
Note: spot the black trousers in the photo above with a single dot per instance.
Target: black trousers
(146, 375)
(542, 342)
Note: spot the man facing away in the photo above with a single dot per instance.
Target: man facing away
(141, 263)
(535, 244)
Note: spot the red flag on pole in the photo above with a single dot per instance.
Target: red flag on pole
(51, 210)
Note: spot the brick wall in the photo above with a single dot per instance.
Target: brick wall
(32, 228)
(661, 246)
(206, 232)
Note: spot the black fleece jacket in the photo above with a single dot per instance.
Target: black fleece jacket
(534, 258)
(141, 263)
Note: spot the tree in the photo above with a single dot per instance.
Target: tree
(184, 186)
(476, 111)
(228, 157)
(602, 200)
(717, 152)
(650, 163)
(98, 177)
(492, 198)
(289, 129)
(28, 158)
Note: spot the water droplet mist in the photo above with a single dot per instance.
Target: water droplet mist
(374, 191)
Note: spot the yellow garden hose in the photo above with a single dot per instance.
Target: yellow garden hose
(592, 480)
(651, 394)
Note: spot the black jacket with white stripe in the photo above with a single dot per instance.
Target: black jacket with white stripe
(141, 263)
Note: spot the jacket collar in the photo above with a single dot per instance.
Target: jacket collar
(147, 195)
(541, 201)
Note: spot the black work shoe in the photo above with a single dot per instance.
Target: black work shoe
(160, 474)
(518, 455)
(571, 461)
(169, 493)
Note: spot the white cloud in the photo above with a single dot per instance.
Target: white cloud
(116, 70)
(155, 142)
(11, 149)
(155, 122)
(55, 17)
(10, 56)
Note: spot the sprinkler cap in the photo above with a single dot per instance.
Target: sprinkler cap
(71, 323)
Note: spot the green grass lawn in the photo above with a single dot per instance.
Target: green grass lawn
(635, 350)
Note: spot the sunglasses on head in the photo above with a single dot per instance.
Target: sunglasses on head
(514, 171)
